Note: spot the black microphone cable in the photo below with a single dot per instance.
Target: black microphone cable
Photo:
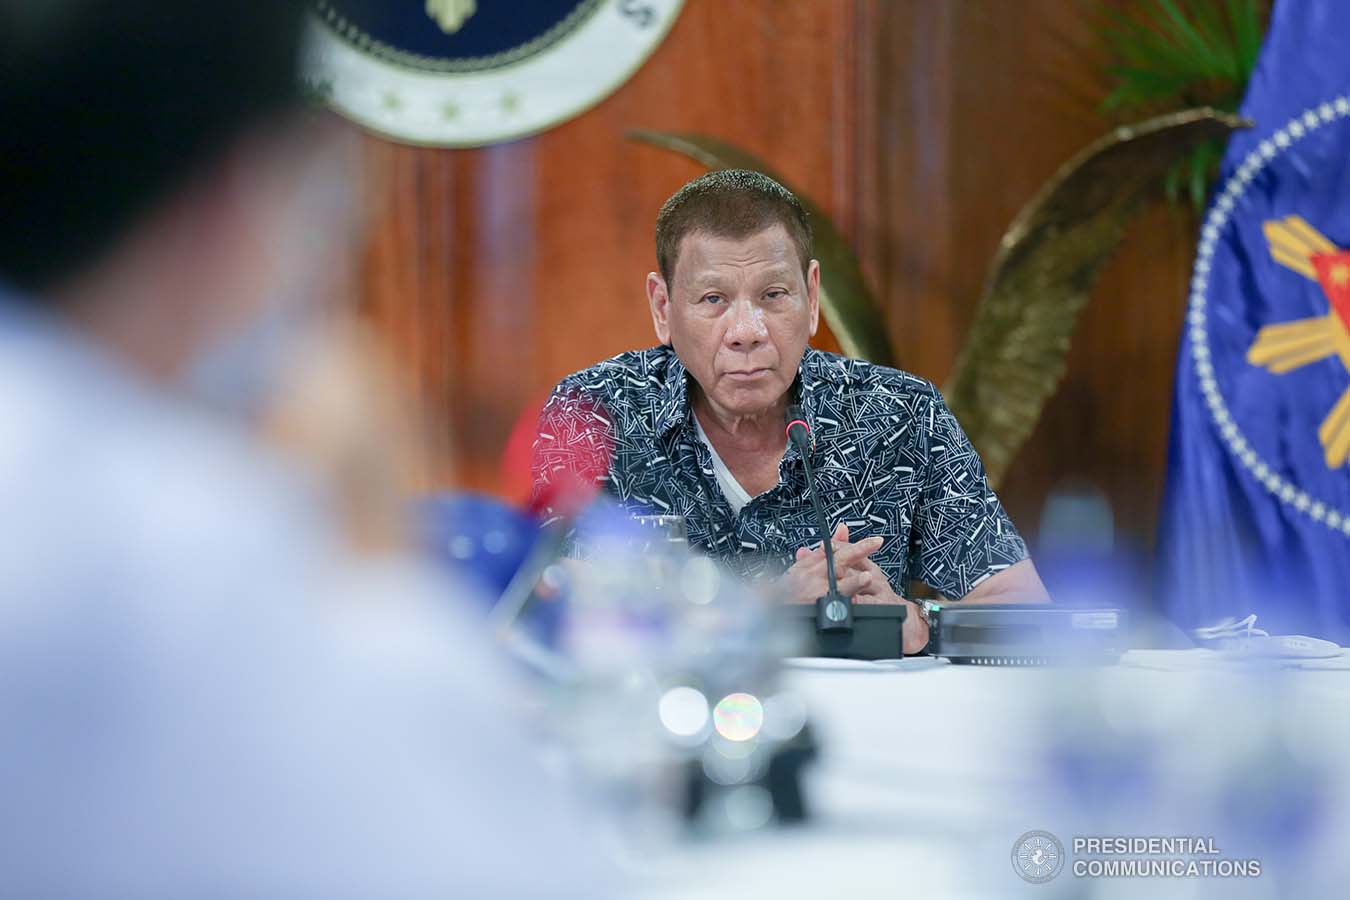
(833, 612)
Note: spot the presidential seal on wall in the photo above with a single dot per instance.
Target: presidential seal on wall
(464, 73)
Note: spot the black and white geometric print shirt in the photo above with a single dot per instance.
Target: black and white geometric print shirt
(890, 460)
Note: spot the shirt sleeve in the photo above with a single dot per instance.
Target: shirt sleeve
(572, 452)
(961, 533)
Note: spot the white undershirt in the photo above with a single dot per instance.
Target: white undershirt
(736, 495)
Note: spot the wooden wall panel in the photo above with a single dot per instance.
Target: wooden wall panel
(922, 126)
(495, 272)
(978, 103)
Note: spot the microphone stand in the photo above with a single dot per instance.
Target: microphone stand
(833, 612)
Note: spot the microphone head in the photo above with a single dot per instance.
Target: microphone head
(798, 431)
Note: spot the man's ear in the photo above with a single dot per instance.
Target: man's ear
(813, 294)
(658, 298)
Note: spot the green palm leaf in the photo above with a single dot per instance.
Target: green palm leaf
(1181, 54)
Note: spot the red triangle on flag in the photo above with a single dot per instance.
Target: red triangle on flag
(1333, 272)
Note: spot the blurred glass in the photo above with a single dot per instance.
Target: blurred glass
(672, 528)
(675, 705)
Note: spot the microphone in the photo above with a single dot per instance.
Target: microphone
(833, 612)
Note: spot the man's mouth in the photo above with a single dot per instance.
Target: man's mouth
(744, 374)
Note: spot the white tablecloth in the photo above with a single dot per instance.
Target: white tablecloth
(929, 772)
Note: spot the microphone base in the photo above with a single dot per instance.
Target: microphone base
(834, 614)
(876, 633)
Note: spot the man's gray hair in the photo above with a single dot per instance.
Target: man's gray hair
(730, 203)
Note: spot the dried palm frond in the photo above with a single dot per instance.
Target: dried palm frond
(1047, 263)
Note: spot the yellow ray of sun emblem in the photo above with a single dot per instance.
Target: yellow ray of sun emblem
(1287, 346)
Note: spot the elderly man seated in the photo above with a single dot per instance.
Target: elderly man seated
(695, 426)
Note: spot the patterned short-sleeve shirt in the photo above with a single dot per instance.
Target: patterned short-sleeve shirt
(889, 456)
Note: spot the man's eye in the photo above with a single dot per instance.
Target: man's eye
(712, 298)
(776, 294)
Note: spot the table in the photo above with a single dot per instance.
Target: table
(930, 772)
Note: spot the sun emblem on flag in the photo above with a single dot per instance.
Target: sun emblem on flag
(1289, 345)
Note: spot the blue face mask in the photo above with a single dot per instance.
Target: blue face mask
(240, 373)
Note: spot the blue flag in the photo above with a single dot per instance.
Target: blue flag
(1256, 516)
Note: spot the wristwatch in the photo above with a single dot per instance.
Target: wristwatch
(928, 611)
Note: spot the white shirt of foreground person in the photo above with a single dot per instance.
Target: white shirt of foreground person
(202, 695)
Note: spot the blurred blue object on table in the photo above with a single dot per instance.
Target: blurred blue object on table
(479, 538)
(482, 542)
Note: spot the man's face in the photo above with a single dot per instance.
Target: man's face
(739, 314)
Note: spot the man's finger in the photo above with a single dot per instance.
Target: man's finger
(850, 554)
(840, 536)
(844, 553)
(878, 588)
(851, 583)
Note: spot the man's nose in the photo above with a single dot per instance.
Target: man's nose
(746, 327)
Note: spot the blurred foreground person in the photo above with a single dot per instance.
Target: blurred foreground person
(204, 690)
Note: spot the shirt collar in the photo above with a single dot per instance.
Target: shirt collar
(672, 409)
